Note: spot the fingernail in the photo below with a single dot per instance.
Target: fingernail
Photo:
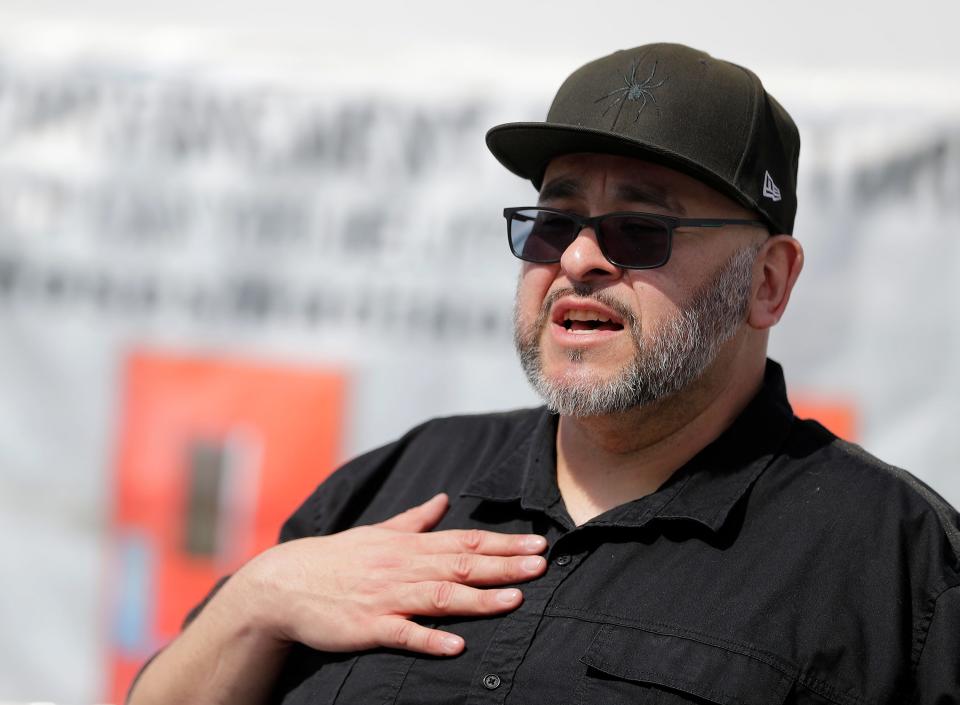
(508, 596)
(532, 564)
(451, 644)
(534, 543)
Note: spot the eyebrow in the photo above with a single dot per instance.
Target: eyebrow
(648, 194)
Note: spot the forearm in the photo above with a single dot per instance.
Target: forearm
(221, 658)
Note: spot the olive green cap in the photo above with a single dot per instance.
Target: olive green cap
(676, 106)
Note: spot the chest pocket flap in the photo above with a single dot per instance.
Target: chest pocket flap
(713, 673)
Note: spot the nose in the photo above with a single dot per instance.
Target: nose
(583, 260)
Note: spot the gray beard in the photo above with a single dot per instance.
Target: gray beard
(677, 354)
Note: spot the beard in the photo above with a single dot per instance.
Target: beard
(675, 356)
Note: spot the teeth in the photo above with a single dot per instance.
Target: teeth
(580, 315)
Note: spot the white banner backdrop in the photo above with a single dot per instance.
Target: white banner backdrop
(150, 208)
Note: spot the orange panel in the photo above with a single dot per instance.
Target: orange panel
(213, 455)
(838, 415)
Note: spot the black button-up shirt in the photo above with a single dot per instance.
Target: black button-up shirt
(780, 565)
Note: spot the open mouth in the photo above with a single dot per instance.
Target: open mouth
(585, 321)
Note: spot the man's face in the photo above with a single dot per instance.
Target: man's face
(660, 328)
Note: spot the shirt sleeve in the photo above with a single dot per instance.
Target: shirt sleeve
(938, 671)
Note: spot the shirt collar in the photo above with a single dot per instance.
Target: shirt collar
(705, 490)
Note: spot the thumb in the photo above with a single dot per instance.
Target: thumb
(421, 518)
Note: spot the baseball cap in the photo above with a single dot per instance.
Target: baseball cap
(676, 106)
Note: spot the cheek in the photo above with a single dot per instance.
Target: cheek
(658, 295)
(532, 289)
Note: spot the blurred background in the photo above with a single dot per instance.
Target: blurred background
(242, 242)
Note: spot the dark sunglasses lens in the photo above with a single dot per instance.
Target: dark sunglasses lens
(635, 241)
(540, 236)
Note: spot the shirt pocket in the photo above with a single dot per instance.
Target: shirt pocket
(629, 665)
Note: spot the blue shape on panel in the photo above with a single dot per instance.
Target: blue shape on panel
(133, 616)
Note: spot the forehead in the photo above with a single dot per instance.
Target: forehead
(627, 179)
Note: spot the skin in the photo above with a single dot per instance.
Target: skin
(606, 461)
(358, 589)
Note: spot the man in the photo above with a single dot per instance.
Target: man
(701, 544)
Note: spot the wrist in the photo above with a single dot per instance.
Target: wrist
(247, 608)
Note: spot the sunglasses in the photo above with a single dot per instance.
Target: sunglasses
(627, 240)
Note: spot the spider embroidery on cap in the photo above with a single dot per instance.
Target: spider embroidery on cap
(634, 90)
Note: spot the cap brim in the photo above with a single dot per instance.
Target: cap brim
(526, 148)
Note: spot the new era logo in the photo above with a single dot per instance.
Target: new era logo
(770, 189)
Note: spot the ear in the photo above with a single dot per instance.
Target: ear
(776, 270)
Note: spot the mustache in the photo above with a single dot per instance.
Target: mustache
(587, 292)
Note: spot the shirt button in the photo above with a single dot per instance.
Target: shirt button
(562, 560)
(491, 681)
